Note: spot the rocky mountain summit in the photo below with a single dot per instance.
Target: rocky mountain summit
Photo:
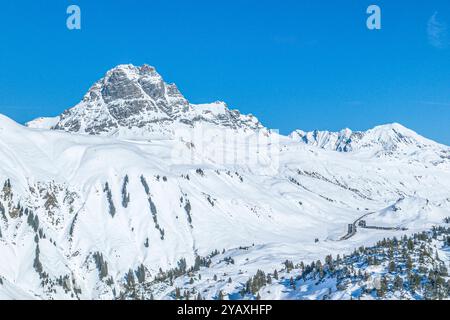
(135, 101)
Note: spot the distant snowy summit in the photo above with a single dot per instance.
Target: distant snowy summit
(390, 139)
(136, 101)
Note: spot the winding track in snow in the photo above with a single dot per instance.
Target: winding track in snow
(351, 234)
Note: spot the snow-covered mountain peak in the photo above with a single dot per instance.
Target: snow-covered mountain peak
(395, 137)
(136, 102)
(337, 141)
(387, 138)
(393, 130)
(391, 141)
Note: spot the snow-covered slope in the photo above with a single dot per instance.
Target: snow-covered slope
(124, 212)
(43, 122)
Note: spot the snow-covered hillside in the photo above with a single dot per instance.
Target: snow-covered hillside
(133, 189)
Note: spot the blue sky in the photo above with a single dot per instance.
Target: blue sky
(294, 64)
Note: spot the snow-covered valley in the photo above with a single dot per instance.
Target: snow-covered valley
(134, 192)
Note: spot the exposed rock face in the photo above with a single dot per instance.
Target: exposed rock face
(136, 101)
(338, 141)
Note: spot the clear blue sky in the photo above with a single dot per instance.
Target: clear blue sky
(294, 64)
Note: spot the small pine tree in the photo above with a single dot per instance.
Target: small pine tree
(130, 280)
(409, 263)
(398, 283)
(197, 263)
(140, 274)
(275, 274)
(383, 287)
(392, 266)
(177, 293)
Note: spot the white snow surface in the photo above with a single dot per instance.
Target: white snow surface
(297, 193)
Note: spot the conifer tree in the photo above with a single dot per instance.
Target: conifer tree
(177, 293)
(275, 274)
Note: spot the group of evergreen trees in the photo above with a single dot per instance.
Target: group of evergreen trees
(210, 200)
(152, 205)
(3, 213)
(171, 274)
(125, 193)
(37, 265)
(140, 273)
(188, 208)
(181, 270)
(7, 191)
(101, 265)
(112, 208)
(64, 282)
(7, 196)
(187, 295)
(201, 262)
(255, 283)
(229, 260)
(412, 268)
(231, 175)
(50, 200)
(134, 285)
(33, 221)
